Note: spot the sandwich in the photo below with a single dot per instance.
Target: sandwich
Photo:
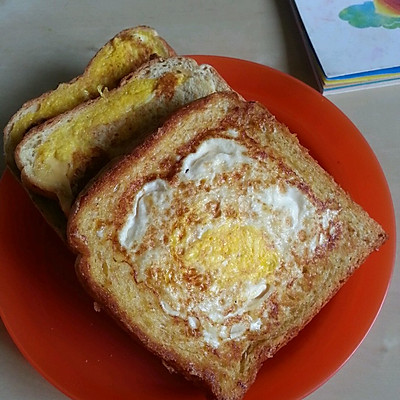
(123, 54)
(217, 240)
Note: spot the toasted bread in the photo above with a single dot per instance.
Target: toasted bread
(217, 240)
(57, 158)
(122, 55)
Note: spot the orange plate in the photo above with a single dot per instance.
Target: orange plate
(85, 354)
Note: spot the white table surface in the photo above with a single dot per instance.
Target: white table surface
(43, 42)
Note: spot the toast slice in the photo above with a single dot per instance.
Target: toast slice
(217, 240)
(57, 158)
(123, 54)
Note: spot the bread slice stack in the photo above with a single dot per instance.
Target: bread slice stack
(58, 157)
(217, 240)
(59, 141)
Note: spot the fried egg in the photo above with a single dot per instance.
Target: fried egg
(209, 241)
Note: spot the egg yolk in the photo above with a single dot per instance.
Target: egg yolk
(229, 253)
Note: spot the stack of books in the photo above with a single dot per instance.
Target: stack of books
(352, 44)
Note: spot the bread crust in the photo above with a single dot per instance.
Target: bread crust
(228, 369)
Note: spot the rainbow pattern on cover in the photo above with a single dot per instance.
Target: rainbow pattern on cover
(390, 8)
(352, 44)
(373, 14)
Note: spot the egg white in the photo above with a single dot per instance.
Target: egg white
(177, 213)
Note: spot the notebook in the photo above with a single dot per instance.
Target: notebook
(352, 44)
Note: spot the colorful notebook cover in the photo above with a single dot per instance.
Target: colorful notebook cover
(352, 43)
